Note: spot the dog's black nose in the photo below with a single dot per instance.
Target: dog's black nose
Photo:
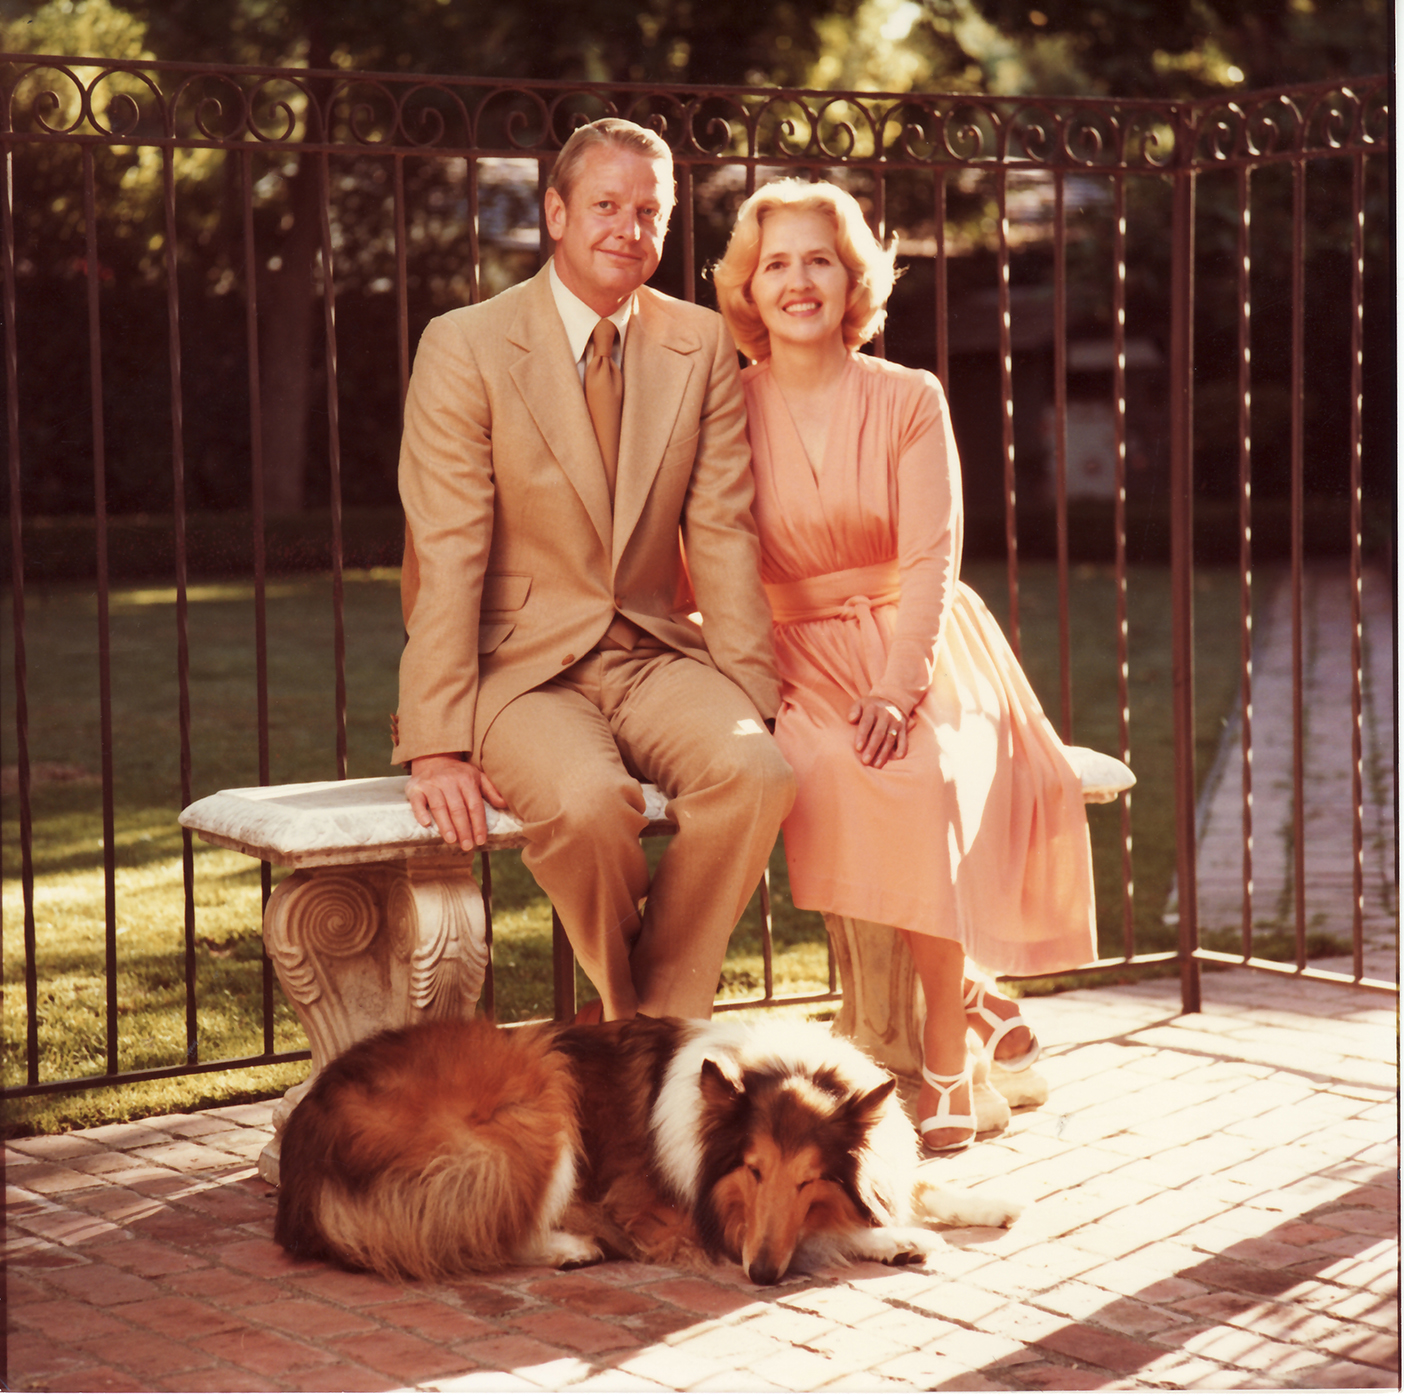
(763, 1272)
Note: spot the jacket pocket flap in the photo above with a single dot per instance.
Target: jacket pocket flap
(491, 635)
(505, 591)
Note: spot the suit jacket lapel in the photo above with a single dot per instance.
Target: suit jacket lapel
(659, 358)
(550, 387)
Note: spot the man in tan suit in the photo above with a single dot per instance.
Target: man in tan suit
(551, 663)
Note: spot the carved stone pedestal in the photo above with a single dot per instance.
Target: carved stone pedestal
(379, 925)
(375, 946)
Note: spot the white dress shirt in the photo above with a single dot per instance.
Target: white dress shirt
(580, 321)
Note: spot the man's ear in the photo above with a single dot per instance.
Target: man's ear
(555, 210)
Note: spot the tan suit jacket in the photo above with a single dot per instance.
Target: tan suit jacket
(514, 562)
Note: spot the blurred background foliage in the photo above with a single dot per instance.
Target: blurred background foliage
(1121, 48)
(1125, 48)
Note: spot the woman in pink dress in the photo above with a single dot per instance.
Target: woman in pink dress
(934, 795)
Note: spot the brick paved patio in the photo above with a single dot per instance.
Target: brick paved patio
(1214, 1205)
(1215, 1199)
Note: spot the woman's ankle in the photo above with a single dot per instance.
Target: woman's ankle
(981, 994)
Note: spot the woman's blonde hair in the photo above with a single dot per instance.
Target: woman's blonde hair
(871, 267)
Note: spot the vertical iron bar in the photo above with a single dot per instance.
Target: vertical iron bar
(109, 851)
(187, 850)
(1006, 382)
(1060, 439)
(880, 231)
(265, 871)
(1298, 573)
(1182, 561)
(1357, 742)
(489, 995)
(401, 282)
(544, 166)
(562, 970)
(943, 306)
(1245, 534)
(1123, 659)
(474, 249)
(689, 232)
(17, 605)
(767, 935)
(334, 462)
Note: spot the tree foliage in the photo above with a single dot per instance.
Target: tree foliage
(1008, 47)
(1192, 47)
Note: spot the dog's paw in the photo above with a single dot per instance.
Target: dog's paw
(958, 1207)
(562, 1249)
(832, 1251)
(581, 1262)
(985, 1209)
(906, 1245)
(906, 1258)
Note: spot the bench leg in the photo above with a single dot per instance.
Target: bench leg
(373, 946)
(883, 1006)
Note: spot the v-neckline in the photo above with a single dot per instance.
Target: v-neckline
(817, 474)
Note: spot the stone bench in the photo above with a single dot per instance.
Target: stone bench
(380, 924)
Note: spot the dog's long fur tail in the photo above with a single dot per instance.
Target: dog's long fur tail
(431, 1156)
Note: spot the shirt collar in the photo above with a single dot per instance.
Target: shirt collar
(580, 321)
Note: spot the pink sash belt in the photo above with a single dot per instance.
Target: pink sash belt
(852, 592)
(847, 595)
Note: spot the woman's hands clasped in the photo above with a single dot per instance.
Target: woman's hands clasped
(882, 730)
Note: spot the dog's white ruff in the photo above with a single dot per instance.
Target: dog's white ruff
(891, 1157)
(804, 1048)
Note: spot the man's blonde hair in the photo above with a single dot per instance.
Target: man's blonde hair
(609, 130)
(871, 267)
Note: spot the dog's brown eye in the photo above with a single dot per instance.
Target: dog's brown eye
(754, 1171)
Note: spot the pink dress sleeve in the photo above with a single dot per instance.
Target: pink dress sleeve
(929, 528)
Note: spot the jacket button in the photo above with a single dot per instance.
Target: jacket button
(568, 660)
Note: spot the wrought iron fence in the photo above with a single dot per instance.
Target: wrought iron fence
(423, 190)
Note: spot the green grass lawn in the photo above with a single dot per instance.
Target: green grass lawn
(61, 645)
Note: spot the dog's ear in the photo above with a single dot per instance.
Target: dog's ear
(721, 1083)
(864, 1110)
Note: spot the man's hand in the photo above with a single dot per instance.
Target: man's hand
(882, 731)
(448, 791)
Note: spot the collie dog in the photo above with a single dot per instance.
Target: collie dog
(450, 1147)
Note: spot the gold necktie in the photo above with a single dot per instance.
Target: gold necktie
(604, 396)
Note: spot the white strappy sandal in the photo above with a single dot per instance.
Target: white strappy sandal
(975, 1002)
(944, 1118)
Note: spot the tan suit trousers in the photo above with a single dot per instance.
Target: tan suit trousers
(569, 756)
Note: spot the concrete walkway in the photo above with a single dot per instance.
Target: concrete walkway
(1328, 803)
(1214, 1204)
